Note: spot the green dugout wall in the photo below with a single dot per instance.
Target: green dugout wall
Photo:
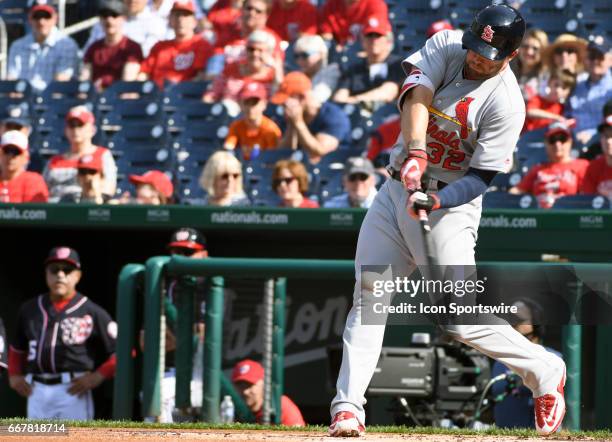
(108, 237)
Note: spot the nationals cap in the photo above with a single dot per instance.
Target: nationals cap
(247, 371)
(438, 26)
(557, 128)
(157, 179)
(14, 138)
(183, 5)
(376, 25)
(358, 165)
(90, 162)
(253, 89)
(64, 254)
(187, 238)
(41, 5)
(82, 114)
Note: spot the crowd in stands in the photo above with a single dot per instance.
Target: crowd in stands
(273, 103)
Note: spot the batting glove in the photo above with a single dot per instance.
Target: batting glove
(422, 201)
(412, 170)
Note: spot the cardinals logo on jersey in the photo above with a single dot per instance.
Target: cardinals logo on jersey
(76, 330)
(461, 114)
(487, 33)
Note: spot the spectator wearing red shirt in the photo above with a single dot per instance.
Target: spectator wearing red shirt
(224, 19)
(61, 170)
(183, 58)
(384, 138)
(342, 20)
(290, 182)
(544, 110)
(254, 15)
(291, 19)
(260, 65)
(248, 378)
(560, 176)
(17, 185)
(114, 57)
(598, 178)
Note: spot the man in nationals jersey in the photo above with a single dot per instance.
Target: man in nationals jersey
(64, 345)
(461, 116)
(183, 58)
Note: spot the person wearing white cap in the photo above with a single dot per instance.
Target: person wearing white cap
(17, 185)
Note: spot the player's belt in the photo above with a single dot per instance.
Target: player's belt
(54, 379)
(426, 184)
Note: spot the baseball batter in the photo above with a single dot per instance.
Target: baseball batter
(60, 336)
(461, 115)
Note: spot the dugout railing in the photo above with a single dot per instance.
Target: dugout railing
(152, 278)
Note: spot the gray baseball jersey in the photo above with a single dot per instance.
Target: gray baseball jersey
(471, 123)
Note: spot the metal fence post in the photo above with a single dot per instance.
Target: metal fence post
(152, 364)
(213, 341)
(572, 351)
(278, 346)
(130, 280)
(183, 354)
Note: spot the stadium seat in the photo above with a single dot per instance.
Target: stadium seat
(15, 89)
(190, 192)
(330, 185)
(14, 11)
(81, 91)
(262, 194)
(121, 91)
(207, 134)
(582, 202)
(528, 157)
(184, 92)
(269, 157)
(132, 112)
(503, 200)
(462, 12)
(142, 137)
(193, 113)
(504, 181)
(141, 160)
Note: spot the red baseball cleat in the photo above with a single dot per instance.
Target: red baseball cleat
(550, 410)
(346, 424)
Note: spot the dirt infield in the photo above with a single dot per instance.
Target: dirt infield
(137, 434)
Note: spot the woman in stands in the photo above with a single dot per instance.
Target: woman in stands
(567, 53)
(222, 180)
(290, 182)
(529, 66)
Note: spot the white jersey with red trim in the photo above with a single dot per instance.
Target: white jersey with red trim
(471, 123)
(71, 340)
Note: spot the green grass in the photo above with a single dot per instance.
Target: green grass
(568, 435)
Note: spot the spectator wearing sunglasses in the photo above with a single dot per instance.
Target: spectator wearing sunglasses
(222, 180)
(89, 178)
(567, 52)
(114, 57)
(61, 170)
(291, 19)
(18, 185)
(290, 182)
(259, 65)
(253, 17)
(182, 59)
(311, 56)
(189, 243)
(591, 94)
(359, 183)
(60, 338)
(372, 81)
(254, 131)
(45, 55)
(528, 66)
(560, 176)
(342, 20)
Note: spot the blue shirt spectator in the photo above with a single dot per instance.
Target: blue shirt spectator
(591, 94)
(314, 127)
(359, 182)
(44, 55)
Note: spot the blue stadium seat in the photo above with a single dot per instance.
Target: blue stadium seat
(582, 202)
(462, 12)
(209, 134)
(134, 160)
(330, 185)
(121, 91)
(133, 112)
(503, 200)
(504, 181)
(14, 11)
(270, 157)
(82, 91)
(184, 92)
(276, 113)
(529, 157)
(262, 194)
(16, 89)
(193, 113)
(191, 162)
(190, 192)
